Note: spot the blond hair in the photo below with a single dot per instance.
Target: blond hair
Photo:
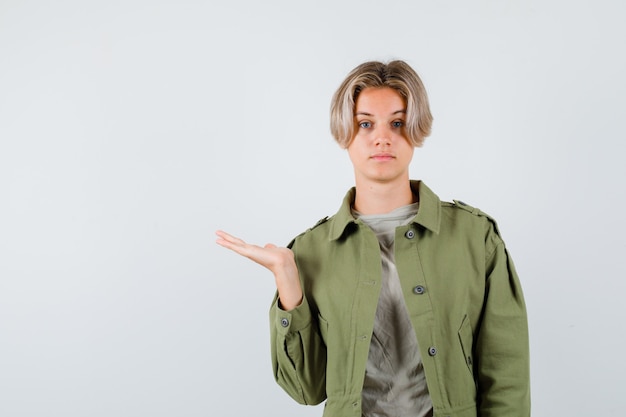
(395, 74)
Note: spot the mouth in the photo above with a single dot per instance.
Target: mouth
(382, 157)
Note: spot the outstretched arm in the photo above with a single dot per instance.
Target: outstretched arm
(280, 261)
(298, 351)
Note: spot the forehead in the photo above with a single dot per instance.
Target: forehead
(379, 100)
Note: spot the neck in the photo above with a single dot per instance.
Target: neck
(381, 198)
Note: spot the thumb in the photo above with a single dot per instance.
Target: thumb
(270, 246)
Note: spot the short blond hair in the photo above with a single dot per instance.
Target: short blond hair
(395, 74)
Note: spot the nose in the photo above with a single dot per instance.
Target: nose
(382, 136)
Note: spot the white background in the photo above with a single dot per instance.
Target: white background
(131, 130)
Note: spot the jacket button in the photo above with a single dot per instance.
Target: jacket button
(410, 234)
(284, 322)
(432, 351)
(419, 290)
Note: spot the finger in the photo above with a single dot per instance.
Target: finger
(264, 256)
(239, 246)
(227, 238)
(228, 241)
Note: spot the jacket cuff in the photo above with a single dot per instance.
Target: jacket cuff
(293, 320)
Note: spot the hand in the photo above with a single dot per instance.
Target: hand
(280, 261)
(269, 256)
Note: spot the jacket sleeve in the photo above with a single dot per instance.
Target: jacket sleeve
(502, 347)
(298, 352)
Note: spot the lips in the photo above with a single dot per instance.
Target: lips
(382, 157)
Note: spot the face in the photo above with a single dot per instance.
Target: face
(380, 151)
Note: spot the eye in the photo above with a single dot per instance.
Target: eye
(365, 125)
(397, 123)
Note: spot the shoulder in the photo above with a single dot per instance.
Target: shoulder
(316, 232)
(464, 207)
(466, 215)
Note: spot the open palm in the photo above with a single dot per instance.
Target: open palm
(279, 260)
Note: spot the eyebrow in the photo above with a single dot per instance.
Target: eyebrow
(362, 113)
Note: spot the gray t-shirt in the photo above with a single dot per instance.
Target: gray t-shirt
(395, 384)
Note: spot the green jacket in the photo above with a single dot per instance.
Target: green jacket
(462, 293)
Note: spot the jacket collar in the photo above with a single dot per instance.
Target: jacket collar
(428, 215)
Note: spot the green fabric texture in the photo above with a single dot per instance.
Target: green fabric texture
(462, 293)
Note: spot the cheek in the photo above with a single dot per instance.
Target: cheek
(355, 147)
(351, 155)
(408, 150)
